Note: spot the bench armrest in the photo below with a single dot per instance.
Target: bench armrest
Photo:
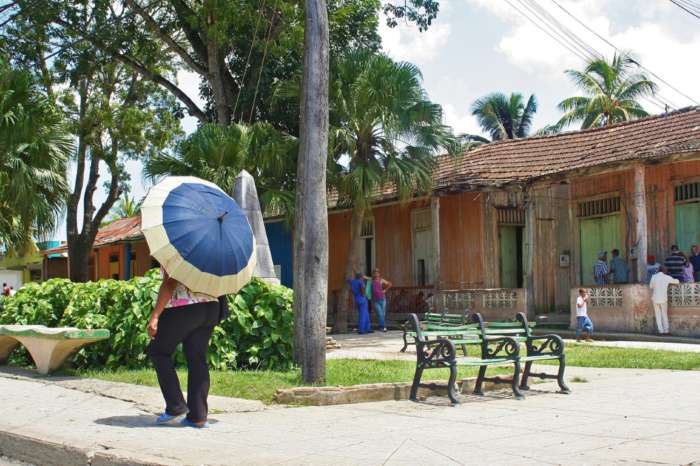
(499, 347)
(440, 352)
(545, 345)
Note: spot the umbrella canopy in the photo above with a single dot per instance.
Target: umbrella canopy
(199, 235)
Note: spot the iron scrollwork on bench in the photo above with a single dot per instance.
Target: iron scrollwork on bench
(542, 347)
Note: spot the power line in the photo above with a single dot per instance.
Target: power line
(614, 47)
(688, 7)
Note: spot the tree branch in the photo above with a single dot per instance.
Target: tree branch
(162, 35)
(183, 12)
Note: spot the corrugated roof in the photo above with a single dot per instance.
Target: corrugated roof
(523, 160)
(125, 229)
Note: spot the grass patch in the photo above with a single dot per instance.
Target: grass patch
(578, 379)
(261, 385)
(583, 355)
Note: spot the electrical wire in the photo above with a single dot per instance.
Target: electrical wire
(614, 47)
(687, 7)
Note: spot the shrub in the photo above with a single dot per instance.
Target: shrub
(258, 334)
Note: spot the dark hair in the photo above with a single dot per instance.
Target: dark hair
(615, 252)
(674, 247)
(581, 290)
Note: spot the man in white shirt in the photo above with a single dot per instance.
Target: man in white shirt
(583, 322)
(659, 297)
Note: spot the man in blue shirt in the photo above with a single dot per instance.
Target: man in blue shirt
(618, 268)
(600, 269)
(357, 287)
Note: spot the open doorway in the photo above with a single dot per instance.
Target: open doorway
(512, 268)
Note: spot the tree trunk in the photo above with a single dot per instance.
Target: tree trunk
(79, 253)
(345, 304)
(311, 214)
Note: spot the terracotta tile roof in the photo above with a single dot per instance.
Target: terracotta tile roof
(522, 160)
(125, 229)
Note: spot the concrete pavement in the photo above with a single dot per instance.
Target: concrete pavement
(617, 416)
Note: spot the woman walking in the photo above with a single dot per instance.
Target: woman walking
(379, 288)
(357, 287)
(182, 316)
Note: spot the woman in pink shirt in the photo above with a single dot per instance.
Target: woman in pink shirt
(379, 288)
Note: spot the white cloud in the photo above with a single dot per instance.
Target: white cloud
(404, 42)
(460, 120)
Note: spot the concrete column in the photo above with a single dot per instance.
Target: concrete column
(640, 216)
(530, 225)
(435, 213)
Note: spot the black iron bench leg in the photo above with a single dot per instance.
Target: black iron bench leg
(514, 383)
(464, 350)
(416, 382)
(480, 381)
(405, 342)
(526, 375)
(560, 376)
(451, 384)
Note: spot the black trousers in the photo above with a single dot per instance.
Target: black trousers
(191, 325)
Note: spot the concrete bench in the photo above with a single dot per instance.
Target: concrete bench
(49, 347)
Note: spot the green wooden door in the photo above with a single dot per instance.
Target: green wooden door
(508, 238)
(687, 225)
(600, 233)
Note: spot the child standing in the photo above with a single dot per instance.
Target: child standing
(583, 322)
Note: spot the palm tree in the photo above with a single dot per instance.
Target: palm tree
(218, 153)
(383, 124)
(34, 149)
(612, 89)
(125, 208)
(504, 117)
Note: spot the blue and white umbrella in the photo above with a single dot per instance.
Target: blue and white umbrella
(199, 235)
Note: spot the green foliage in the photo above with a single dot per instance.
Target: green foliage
(613, 90)
(257, 335)
(505, 117)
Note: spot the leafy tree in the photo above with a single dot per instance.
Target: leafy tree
(504, 117)
(382, 120)
(218, 154)
(114, 113)
(612, 89)
(34, 148)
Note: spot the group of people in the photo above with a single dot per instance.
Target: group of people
(682, 267)
(8, 290)
(365, 289)
(677, 268)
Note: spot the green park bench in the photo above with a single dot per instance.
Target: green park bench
(49, 347)
(499, 344)
(434, 321)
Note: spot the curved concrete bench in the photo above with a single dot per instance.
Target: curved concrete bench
(49, 347)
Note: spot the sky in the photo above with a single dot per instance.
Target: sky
(476, 47)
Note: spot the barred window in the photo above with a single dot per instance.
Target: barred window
(367, 228)
(510, 216)
(597, 207)
(687, 192)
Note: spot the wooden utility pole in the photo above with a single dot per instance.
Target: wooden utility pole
(311, 214)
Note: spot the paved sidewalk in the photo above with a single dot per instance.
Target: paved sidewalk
(618, 417)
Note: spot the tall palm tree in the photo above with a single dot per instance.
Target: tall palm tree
(34, 148)
(504, 117)
(386, 131)
(612, 89)
(218, 153)
(125, 208)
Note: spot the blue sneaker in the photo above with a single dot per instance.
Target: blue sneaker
(187, 423)
(165, 418)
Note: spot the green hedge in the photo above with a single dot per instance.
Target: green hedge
(258, 334)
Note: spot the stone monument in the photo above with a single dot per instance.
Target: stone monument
(246, 196)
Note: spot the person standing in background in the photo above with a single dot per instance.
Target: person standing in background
(357, 287)
(688, 271)
(652, 268)
(583, 322)
(674, 263)
(618, 268)
(379, 288)
(659, 297)
(600, 269)
(694, 259)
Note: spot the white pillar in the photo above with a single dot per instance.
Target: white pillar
(530, 225)
(640, 215)
(435, 219)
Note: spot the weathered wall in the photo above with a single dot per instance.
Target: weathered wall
(462, 251)
(634, 313)
(103, 265)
